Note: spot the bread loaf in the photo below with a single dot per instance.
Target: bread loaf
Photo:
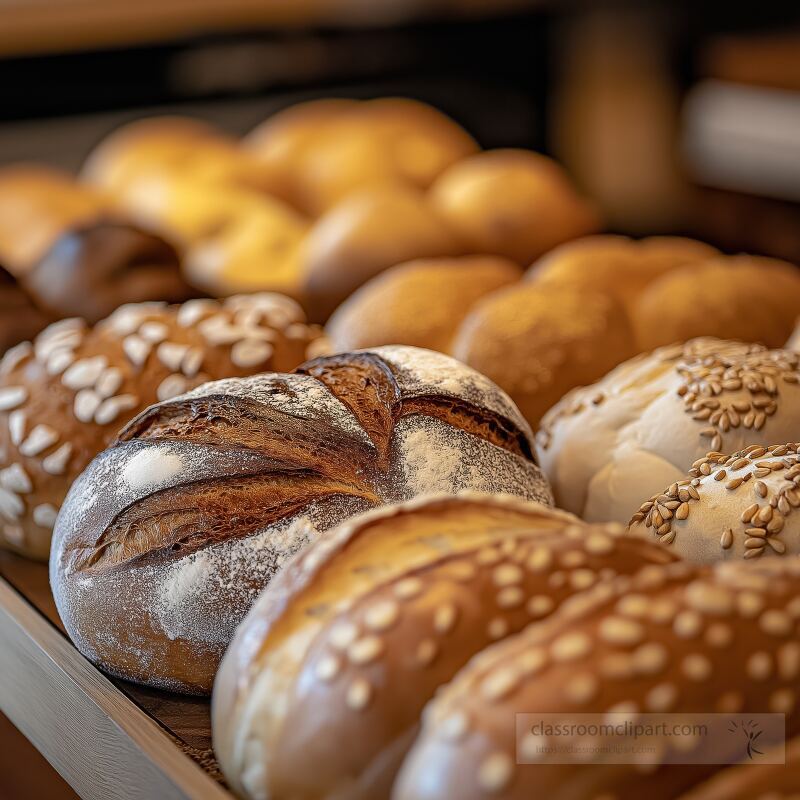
(736, 506)
(91, 271)
(671, 639)
(420, 303)
(337, 659)
(608, 446)
(64, 397)
(215, 489)
(513, 203)
(539, 341)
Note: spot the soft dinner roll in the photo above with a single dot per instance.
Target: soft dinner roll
(324, 150)
(745, 297)
(671, 639)
(93, 270)
(370, 231)
(513, 203)
(64, 397)
(37, 204)
(607, 446)
(755, 781)
(420, 303)
(737, 506)
(539, 341)
(617, 265)
(208, 494)
(20, 319)
(169, 146)
(358, 632)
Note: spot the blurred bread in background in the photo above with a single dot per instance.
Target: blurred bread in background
(420, 303)
(37, 204)
(514, 203)
(20, 319)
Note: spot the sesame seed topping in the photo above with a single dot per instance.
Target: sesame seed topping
(426, 652)
(570, 647)
(775, 622)
(359, 694)
(382, 615)
(661, 698)
(688, 624)
(621, 631)
(39, 439)
(759, 666)
(45, 515)
(12, 397)
(495, 773)
(328, 668)
(497, 628)
(507, 574)
(444, 618)
(696, 667)
(539, 605)
(365, 650)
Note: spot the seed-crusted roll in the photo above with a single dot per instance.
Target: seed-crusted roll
(215, 489)
(64, 397)
(20, 319)
(607, 446)
(736, 506)
(90, 271)
(755, 781)
(37, 204)
(359, 631)
(671, 639)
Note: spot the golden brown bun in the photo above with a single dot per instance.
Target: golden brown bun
(37, 204)
(64, 397)
(419, 303)
(609, 446)
(214, 490)
(755, 781)
(326, 149)
(362, 628)
(618, 265)
(540, 341)
(671, 639)
(513, 203)
(168, 146)
(729, 507)
(368, 232)
(749, 298)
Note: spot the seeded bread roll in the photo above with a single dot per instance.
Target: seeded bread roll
(617, 265)
(64, 397)
(607, 446)
(745, 297)
(513, 203)
(755, 781)
(20, 319)
(214, 490)
(37, 204)
(325, 150)
(539, 341)
(401, 599)
(368, 232)
(737, 506)
(93, 270)
(420, 303)
(671, 639)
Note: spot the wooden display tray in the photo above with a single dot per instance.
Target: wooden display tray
(107, 738)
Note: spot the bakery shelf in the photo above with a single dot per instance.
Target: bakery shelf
(107, 738)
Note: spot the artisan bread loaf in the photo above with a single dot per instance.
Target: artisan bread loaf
(90, 271)
(608, 446)
(64, 396)
(538, 341)
(213, 490)
(672, 639)
(513, 203)
(337, 659)
(37, 204)
(729, 506)
(420, 303)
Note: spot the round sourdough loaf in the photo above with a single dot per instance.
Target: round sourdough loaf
(737, 506)
(206, 495)
(674, 639)
(64, 397)
(362, 628)
(607, 446)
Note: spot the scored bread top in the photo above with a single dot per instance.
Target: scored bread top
(358, 632)
(671, 639)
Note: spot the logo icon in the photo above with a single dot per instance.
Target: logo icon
(750, 731)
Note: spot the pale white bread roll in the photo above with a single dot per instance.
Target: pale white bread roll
(729, 507)
(607, 446)
(336, 661)
(671, 639)
(206, 495)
